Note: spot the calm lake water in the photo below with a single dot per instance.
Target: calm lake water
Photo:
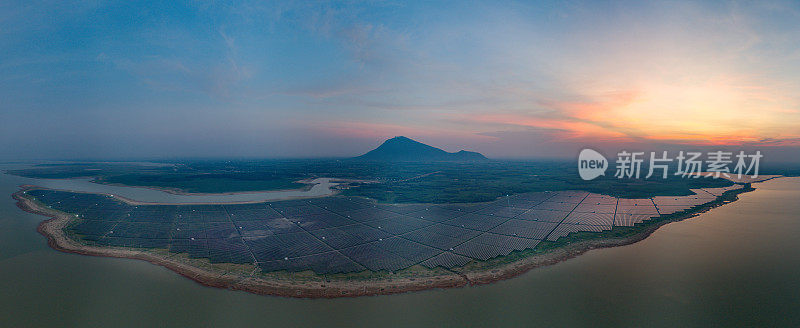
(737, 265)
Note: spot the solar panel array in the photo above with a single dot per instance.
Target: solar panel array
(351, 234)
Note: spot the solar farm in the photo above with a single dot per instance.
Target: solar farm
(352, 234)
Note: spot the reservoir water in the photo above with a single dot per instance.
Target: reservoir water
(736, 265)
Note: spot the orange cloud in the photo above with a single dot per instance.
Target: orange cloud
(567, 128)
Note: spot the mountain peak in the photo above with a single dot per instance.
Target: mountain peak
(400, 139)
(404, 149)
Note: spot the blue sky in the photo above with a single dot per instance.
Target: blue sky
(293, 79)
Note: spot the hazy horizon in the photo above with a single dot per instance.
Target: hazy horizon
(511, 80)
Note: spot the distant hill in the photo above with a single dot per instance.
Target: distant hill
(402, 149)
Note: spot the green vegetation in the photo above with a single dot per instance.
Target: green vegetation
(399, 182)
(476, 182)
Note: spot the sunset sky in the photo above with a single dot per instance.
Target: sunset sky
(509, 79)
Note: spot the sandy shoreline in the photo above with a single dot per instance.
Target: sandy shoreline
(328, 287)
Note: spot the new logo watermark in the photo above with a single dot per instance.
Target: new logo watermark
(591, 164)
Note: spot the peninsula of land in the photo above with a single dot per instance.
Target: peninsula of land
(465, 263)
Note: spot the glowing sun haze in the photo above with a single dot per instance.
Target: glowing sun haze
(509, 79)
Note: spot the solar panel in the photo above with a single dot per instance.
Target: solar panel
(432, 239)
(565, 229)
(556, 206)
(435, 214)
(301, 243)
(452, 231)
(630, 219)
(600, 199)
(399, 225)
(410, 250)
(515, 243)
(282, 225)
(568, 196)
(476, 221)
(228, 250)
(481, 251)
(376, 259)
(671, 209)
(267, 248)
(589, 206)
(503, 211)
(601, 219)
(543, 215)
(330, 262)
(526, 229)
(446, 260)
(350, 234)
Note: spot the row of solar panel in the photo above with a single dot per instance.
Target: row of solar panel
(353, 233)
